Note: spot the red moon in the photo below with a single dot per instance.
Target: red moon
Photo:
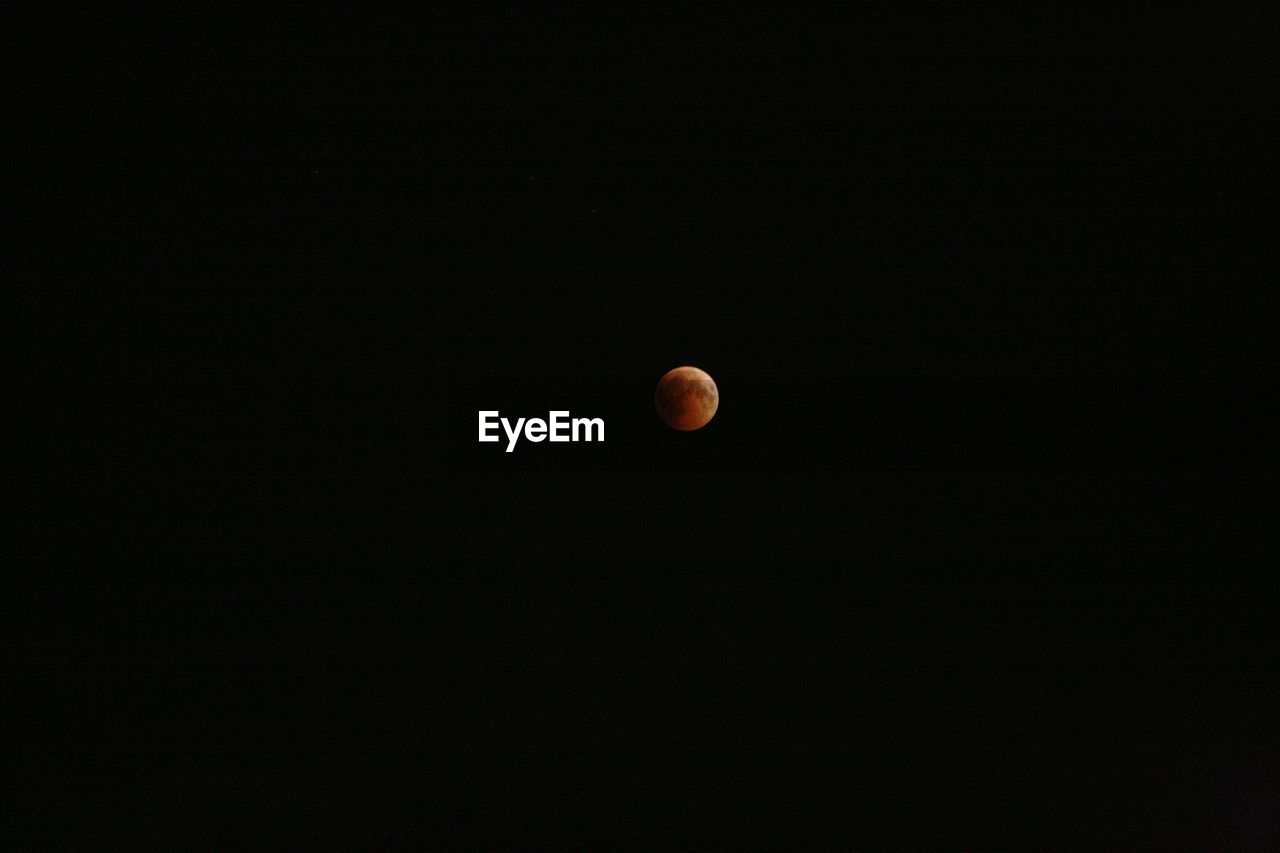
(687, 398)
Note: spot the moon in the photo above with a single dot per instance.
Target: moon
(687, 398)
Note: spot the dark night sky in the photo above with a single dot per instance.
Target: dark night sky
(978, 551)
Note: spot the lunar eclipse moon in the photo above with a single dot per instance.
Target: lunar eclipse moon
(686, 398)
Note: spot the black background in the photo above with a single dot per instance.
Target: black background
(977, 551)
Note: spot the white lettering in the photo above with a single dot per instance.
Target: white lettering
(587, 423)
(559, 426)
(485, 426)
(512, 434)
